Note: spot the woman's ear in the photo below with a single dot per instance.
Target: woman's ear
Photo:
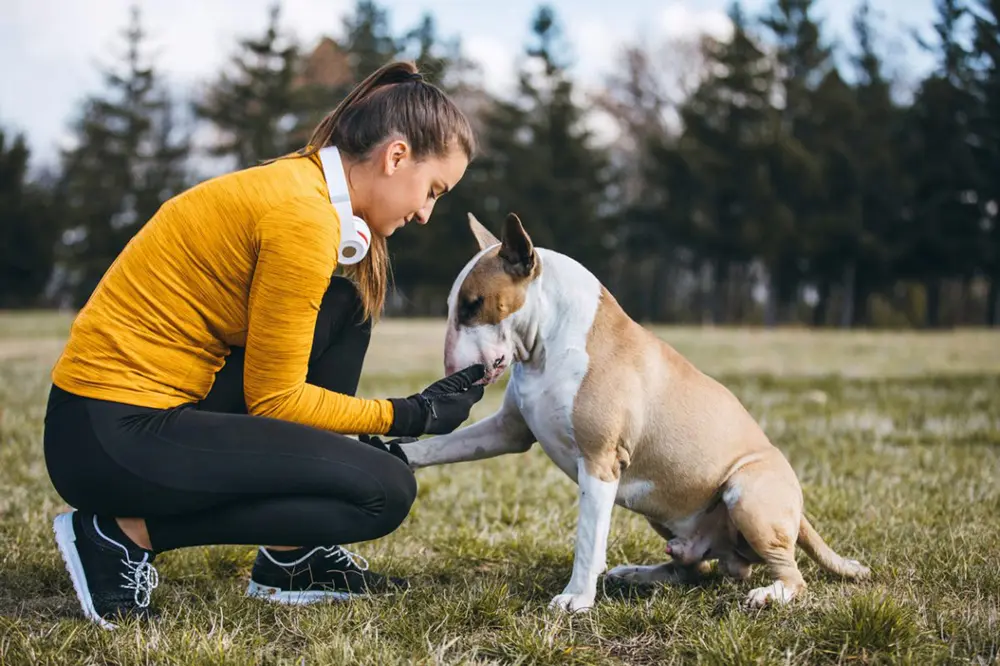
(394, 154)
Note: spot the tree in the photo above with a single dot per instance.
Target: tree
(863, 178)
(128, 159)
(803, 62)
(643, 96)
(328, 74)
(368, 38)
(986, 128)
(535, 160)
(28, 228)
(540, 155)
(254, 107)
(712, 190)
(943, 233)
(835, 236)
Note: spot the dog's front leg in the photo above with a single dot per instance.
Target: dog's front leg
(503, 432)
(597, 498)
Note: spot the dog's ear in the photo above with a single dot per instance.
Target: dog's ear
(516, 251)
(482, 234)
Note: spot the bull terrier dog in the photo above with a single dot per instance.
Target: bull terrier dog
(627, 418)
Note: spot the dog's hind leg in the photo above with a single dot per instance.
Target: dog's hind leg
(674, 572)
(766, 510)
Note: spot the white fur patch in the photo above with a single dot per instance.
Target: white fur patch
(474, 344)
(731, 495)
(559, 311)
(776, 592)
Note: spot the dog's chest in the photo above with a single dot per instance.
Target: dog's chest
(545, 400)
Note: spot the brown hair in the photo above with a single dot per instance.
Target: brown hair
(393, 100)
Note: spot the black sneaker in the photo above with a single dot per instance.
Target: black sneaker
(111, 580)
(304, 576)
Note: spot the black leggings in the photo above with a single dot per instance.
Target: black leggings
(208, 473)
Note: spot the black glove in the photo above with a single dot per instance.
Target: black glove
(391, 446)
(440, 408)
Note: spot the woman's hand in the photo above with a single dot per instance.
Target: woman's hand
(389, 446)
(439, 408)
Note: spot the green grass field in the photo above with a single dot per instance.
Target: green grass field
(895, 438)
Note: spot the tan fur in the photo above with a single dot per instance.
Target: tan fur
(492, 290)
(646, 413)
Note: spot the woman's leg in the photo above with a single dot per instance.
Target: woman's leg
(203, 478)
(209, 478)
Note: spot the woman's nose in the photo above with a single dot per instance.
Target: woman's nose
(424, 214)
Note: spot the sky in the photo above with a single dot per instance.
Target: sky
(51, 49)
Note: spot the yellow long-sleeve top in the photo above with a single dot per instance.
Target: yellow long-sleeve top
(241, 259)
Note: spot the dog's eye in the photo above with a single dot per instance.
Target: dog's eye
(469, 308)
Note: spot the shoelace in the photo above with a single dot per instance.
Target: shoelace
(343, 555)
(142, 578)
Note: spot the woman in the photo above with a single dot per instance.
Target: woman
(207, 388)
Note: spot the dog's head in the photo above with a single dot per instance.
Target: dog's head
(486, 298)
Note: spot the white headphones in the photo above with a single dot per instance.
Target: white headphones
(355, 236)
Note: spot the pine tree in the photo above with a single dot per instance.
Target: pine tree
(986, 127)
(432, 56)
(366, 44)
(863, 177)
(803, 61)
(426, 260)
(129, 158)
(540, 158)
(943, 234)
(28, 228)
(718, 199)
(254, 107)
(834, 240)
(535, 160)
(368, 38)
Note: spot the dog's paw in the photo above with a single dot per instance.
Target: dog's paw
(775, 592)
(572, 602)
(858, 570)
(628, 573)
(668, 572)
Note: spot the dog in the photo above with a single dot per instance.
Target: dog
(627, 418)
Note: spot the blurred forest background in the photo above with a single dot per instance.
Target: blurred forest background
(759, 179)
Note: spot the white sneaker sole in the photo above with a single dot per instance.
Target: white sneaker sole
(294, 597)
(66, 540)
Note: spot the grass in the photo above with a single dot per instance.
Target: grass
(895, 438)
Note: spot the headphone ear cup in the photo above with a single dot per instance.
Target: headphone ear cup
(354, 246)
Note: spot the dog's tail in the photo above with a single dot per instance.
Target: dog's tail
(816, 548)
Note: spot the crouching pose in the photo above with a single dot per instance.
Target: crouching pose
(207, 389)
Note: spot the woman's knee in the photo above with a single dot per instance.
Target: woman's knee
(401, 491)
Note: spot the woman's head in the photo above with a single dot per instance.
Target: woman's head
(404, 143)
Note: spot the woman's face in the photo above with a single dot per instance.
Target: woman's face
(402, 189)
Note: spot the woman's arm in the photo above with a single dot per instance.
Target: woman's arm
(297, 250)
